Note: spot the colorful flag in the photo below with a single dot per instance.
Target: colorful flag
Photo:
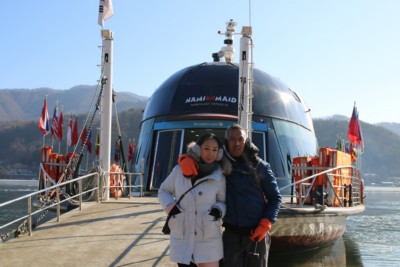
(60, 127)
(105, 11)
(69, 133)
(44, 123)
(354, 133)
(74, 137)
(54, 123)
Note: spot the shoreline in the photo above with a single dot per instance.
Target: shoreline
(382, 188)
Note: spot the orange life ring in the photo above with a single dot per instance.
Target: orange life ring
(116, 181)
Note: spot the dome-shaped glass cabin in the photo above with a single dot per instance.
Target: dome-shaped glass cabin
(204, 98)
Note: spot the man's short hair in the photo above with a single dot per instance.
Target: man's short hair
(235, 126)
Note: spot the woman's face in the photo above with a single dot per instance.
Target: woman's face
(209, 150)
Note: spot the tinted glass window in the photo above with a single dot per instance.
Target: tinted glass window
(168, 147)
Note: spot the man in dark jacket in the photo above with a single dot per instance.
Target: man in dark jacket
(252, 202)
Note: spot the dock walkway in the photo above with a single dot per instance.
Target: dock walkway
(124, 232)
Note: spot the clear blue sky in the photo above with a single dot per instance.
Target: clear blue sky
(332, 53)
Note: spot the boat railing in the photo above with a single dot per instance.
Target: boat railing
(129, 184)
(54, 193)
(338, 186)
(58, 196)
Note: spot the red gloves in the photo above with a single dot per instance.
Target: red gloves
(188, 165)
(262, 229)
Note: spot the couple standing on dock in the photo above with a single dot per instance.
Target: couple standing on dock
(212, 182)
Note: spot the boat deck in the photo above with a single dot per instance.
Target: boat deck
(124, 232)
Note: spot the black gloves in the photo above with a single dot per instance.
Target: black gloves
(216, 212)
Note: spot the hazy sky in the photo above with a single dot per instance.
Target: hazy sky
(331, 52)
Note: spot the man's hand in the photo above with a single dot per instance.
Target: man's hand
(261, 231)
(188, 165)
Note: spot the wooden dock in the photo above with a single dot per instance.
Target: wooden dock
(123, 232)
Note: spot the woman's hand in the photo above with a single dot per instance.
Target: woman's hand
(169, 208)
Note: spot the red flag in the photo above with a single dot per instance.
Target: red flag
(354, 133)
(60, 127)
(83, 135)
(44, 124)
(130, 151)
(54, 123)
(87, 134)
(69, 133)
(74, 137)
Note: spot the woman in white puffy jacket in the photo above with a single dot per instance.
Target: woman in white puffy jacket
(196, 237)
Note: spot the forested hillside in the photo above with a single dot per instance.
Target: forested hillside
(21, 142)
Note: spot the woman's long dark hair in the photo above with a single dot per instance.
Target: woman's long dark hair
(207, 136)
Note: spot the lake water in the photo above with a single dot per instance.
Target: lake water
(372, 238)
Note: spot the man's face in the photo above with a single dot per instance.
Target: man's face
(236, 139)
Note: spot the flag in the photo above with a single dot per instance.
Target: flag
(87, 134)
(74, 137)
(60, 127)
(354, 133)
(54, 123)
(83, 135)
(97, 144)
(69, 133)
(105, 11)
(44, 123)
(130, 151)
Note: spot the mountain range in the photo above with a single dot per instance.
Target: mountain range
(26, 104)
(21, 140)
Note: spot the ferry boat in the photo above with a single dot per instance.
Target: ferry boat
(321, 186)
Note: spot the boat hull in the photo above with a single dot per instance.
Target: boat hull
(302, 228)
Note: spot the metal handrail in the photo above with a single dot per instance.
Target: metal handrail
(57, 201)
(57, 188)
(310, 180)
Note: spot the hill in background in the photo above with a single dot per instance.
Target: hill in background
(26, 104)
(21, 141)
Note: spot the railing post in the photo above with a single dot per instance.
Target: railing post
(80, 194)
(58, 204)
(350, 195)
(130, 185)
(141, 176)
(30, 216)
(98, 187)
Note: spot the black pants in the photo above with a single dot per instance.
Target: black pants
(240, 250)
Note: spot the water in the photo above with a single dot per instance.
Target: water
(11, 189)
(372, 238)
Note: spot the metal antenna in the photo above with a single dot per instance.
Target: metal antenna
(249, 12)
